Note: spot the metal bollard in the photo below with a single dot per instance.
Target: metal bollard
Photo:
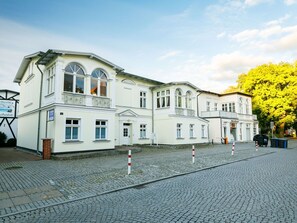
(193, 154)
(129, 162)
(233, 147)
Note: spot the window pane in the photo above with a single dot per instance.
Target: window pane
(97, 136)
(75, 122)
(103, 88)
(68, 82)
(103, 133)
(75, 133)
(79, 87)
(68, 122)
(94, 86)
(68, 133)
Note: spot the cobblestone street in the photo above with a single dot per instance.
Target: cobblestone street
(259, 188)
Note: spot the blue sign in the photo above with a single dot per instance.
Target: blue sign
(51, 115)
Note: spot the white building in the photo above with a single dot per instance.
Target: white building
(84, 103)
(229, 115)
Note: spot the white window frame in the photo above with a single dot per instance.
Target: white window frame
(142, 131)
(100, 76)
(215, 108)
(203, 131)
(192, 133)
(99, 125)
(142, 96)
(208, 106)
(75, 75)
(163, 99)
(72, 125)
(178, 130)
(51, 80)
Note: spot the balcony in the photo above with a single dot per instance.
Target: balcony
(86, 100)
(185, 112)
(230, 115)
(74, 99)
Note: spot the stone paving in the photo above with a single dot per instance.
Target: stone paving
(33, 185)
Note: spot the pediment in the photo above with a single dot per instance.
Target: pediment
(128, 113)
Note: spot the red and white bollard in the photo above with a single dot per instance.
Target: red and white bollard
(193, 154)
(257, 145)
(233, 147)
(129, 162)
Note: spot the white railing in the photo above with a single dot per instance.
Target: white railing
(225, 114)
(185, 112)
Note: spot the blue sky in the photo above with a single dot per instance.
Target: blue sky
(208, 43)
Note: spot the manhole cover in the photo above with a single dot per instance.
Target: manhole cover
(13, 167)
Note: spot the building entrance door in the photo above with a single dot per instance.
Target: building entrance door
(126, 134)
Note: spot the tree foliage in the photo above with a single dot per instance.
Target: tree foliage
(274, 91)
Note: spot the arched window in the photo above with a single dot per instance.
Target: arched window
(74, 78)
(189, 99)
(99, 83)
(178, 98)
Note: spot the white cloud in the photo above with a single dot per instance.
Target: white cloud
(290, 2)
(221, 35)
(254, 2)
(167, 55)
(278, 21)
(229, 65)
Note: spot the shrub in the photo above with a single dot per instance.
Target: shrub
(3, 138)
(11, 142)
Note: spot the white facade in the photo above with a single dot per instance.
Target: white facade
(84, 103)
(229, 115)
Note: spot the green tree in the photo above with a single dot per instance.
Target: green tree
(273, 87)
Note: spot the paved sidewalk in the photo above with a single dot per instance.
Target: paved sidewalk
(29, 185)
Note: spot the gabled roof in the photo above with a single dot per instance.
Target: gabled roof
(48, 56)
(224, 94)
(140, 78)
(177, 83)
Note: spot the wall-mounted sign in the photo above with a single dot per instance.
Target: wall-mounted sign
(7, 109)
(51, 115)
(271, 125)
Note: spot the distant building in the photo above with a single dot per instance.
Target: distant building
(84, 103)
(9, 101)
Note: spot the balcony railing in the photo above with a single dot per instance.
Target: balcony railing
(185, 112)
(74, 99)
(79, 99)
(101, 102)
(225, 114)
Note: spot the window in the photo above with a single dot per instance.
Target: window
(240, 105)
(74, 78)
(178, 130)
(215, 106)
(232, 107)
(207, 106)
(240, 131)
(247, 106)
(178, 98)
(203, 133)
(99, 83)
(189, 99)
(163, 99)
(72, 129)
(101, 130)
(51, 80)
(142, 131)
(224, 107)
(191, 130)
(143, 99)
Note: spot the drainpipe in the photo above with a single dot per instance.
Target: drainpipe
(153, 116)
(39, 111)
(198, 103)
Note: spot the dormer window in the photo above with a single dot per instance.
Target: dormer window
(99, 83)
(74, 78)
